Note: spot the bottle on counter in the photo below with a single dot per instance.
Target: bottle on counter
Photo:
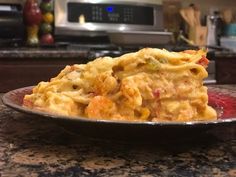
(215, 29)
(32, 19)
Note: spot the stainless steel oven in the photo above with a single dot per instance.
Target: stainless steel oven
(11, 23)
(96, 17)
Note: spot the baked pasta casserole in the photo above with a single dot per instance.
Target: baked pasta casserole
(148, 85)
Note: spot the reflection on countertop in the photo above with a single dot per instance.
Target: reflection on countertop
(38, 147)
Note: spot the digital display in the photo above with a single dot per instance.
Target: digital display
(110, 9)
(110, 13)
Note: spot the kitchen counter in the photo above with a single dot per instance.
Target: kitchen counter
(78, 52)
(42, 53)
(36, 147)
(225, 54)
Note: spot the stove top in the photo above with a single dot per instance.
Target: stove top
(101, 50)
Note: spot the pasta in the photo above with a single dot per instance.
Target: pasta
(148, 85)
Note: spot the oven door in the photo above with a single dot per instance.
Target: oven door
(88, 17)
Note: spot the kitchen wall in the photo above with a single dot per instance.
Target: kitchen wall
(172, 20)
(208, 6)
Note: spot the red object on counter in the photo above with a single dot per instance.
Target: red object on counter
(46, 39)
(32, 19)
(32, 13)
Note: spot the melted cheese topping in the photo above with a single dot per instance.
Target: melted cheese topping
(149, 85)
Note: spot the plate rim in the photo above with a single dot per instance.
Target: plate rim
(26, 110)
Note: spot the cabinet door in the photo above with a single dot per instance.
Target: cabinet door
(22, 72)
(226, 70)
(16, 76)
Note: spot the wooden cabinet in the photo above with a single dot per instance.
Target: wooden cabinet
(16, 73)
(226, 70)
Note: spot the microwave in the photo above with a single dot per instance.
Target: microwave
(11, 22)
(96, 17)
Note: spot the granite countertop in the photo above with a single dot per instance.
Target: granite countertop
(36, 147)
(71, 52)
(225, 54)
(60, 52)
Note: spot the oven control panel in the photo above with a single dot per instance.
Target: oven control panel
(110, 13)
(96, 18)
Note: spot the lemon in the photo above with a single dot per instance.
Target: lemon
(48, 17)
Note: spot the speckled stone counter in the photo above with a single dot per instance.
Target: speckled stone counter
(43, 53)
(36, 147)
(225, 54)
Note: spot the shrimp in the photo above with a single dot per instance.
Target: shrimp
(101, 107)
(131, 92)
(105, 83)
